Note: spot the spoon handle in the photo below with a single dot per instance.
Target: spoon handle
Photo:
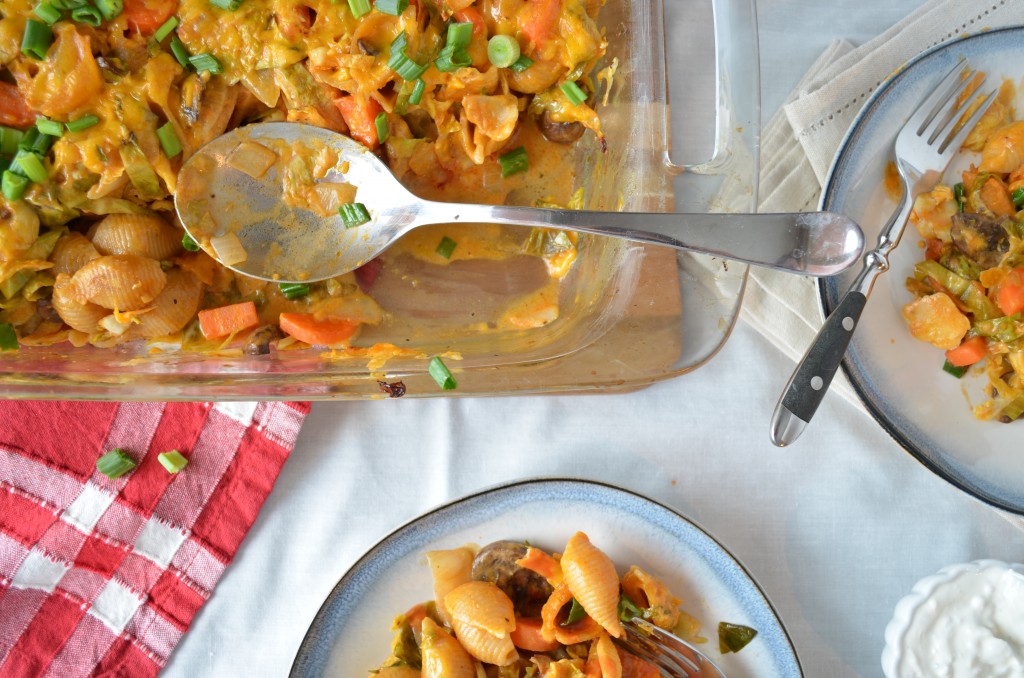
(809, 243)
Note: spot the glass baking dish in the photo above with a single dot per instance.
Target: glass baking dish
(630, 315)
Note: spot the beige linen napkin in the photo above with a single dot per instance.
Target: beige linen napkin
(799, 142)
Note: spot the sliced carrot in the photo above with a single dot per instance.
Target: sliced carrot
(145, 16)
(361, 117)
(14, 112)
(224, 320)
(318, 331)
(997, 198)
(527, 636)
(934, 249)
(634, 667)
(971, 351)
(1011, 292)
(539, 20)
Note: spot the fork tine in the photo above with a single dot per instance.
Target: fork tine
(673, 642)
(942, 125)
(645, 648)
(933, 104)
(958, 139)
(664, 665)
(684, 663)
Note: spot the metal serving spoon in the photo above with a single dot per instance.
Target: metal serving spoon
(217, 196)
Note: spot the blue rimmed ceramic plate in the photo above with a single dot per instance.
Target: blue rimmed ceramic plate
(899, 378)
(351, 632)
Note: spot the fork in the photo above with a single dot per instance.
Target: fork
(924, 148)
(673, 656)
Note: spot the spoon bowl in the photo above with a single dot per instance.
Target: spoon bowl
(223, 194)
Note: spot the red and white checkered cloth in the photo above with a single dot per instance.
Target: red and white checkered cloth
(102, 577)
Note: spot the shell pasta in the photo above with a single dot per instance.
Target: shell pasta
(529, 613)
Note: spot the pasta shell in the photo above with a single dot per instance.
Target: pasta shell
(72, 252)
(82, 316)
(650, 593)
(173, 307)
(450, 568)
(591, 577)
(482, 616)
(146, 235)
(603, 659)
(442, 655)
(126, 282)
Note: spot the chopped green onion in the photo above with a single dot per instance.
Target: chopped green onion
(354, 214)
(392, 7)
(628, 609)
(406, 68)
(172, 460)
(521, 64)
(36, 39)
(47, 13)
(459, 35)
(1018, 197)
(115, 463)
(33, 167)
(87, 15)
(950, 368)
(110, 9)
(51, 127)
(417, 92)
(381, 123)
(189, 243)
(514, 162)
(9, 140)
(573, 92)
(451, 59)
(439, 371)
(205, 62)
(28, 139)
(229, 5)
(359, 7)
(446, 247)
(733, 637)
(13, 185)
(8, 339)
(165, 29)
(68, 4)
(168, 140)
(294, 291)
(41, 144)
(85, 122)
(399, 43)
(958, 193)
(179, 51)
(402, 100)
(576, 613)
(503, 50)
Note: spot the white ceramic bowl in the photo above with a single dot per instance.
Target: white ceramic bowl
(909, 633)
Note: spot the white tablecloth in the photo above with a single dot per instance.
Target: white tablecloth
(835, 529)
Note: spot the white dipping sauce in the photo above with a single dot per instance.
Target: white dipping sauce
(970, 626)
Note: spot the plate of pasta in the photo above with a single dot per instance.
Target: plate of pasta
(531, 579)
(939, 356)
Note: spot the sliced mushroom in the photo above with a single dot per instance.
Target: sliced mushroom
(367, 48)
(559, 132)
(496, 563)
(982, 239)
(421, 124)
